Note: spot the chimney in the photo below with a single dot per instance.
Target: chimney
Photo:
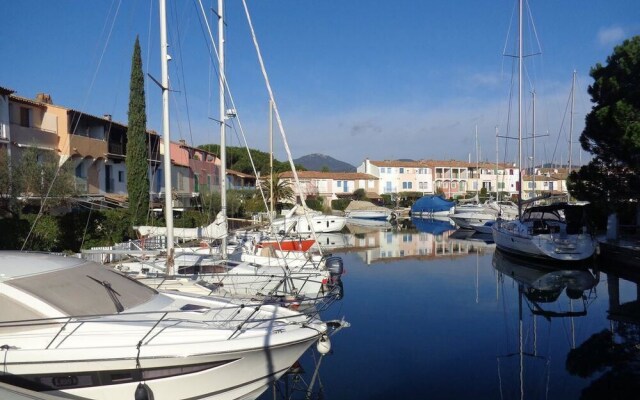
(182, 142)
(107, 117)
(44, 98)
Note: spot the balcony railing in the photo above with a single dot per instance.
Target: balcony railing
(34, 137)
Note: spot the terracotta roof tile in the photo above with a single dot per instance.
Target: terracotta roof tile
(329, 175)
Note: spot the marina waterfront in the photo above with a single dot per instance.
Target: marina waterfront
(436, 315)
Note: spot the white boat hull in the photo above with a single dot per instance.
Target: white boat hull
(513, 237)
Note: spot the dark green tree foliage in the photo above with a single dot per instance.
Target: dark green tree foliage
(137, 175)
(612, 131)
(39, 176)
(238, 160)
(8, 188)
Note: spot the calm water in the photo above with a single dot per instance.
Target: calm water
(436, 315)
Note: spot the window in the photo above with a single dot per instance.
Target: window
(25, 117)
(120, 176)
(530, 185)
(402, 170)
(389, 170)
(79, 171)
(339, 183)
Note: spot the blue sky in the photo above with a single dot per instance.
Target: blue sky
(352, 78)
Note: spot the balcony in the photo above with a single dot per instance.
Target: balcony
(87, 147)
(116, 148)
(34, 137)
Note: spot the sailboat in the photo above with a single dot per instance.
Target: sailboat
(246, 275)
(557, 232)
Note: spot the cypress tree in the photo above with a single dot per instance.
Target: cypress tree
(137, 165)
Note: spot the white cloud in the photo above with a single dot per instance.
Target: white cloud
(610, 36)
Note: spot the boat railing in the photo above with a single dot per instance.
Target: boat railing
(236, 322)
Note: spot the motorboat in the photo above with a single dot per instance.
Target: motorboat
(553, 232)
(75, 328)
(468, 220)
(358, 209)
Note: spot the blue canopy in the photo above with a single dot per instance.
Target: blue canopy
(431, 203)
(432, 226)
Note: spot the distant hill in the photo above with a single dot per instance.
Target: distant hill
(318, 162)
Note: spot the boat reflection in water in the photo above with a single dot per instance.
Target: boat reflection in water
(302, 380)
(421, 239)
(539, 287)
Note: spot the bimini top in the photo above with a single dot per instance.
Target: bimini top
(431, 203)
(16, 264)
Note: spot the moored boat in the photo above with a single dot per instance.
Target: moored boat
(76, 328)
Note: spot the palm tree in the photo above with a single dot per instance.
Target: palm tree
(281, 189)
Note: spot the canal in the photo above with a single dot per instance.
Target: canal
(439, 314)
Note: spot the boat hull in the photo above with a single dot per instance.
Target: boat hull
(512, 237)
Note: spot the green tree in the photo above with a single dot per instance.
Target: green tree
(238, 160)
(282, 190)
(8, 186)
(42, 179)
(612, 132)
(137, 174)
(360, 194)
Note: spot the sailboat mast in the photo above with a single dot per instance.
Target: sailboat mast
(477, 165)
(497, 160)
(223, 144)
(164, 57)
(271, 215)
(533, 151)
(520, 108)
(573, 86)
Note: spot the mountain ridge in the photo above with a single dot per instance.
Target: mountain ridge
(319, 162)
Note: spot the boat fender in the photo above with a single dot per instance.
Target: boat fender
(334, 265)
(143, 392)
(323, 345)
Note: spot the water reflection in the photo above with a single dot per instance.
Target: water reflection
(611, 357)
(539, 287)
(420, 239)
(443, 306)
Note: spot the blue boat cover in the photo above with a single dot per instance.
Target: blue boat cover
(431, 203)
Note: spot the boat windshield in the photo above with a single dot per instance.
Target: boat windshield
(87, 289)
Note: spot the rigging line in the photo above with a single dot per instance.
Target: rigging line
(562, 124)
(228, 90)
(279, 121)
(95, 74)
(40, 211)
(146, 81)
(181, 78)
(86, 226)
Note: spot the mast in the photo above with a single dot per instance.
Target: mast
(271, 215)
(223, 144)
(533, 152)
(477, 167)
(164, 58)
(497, 159)
(519, 108)
(573, 83)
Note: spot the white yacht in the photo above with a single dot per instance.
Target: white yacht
(74, 328)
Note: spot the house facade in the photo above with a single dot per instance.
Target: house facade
(331, 185)
(400, 176)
